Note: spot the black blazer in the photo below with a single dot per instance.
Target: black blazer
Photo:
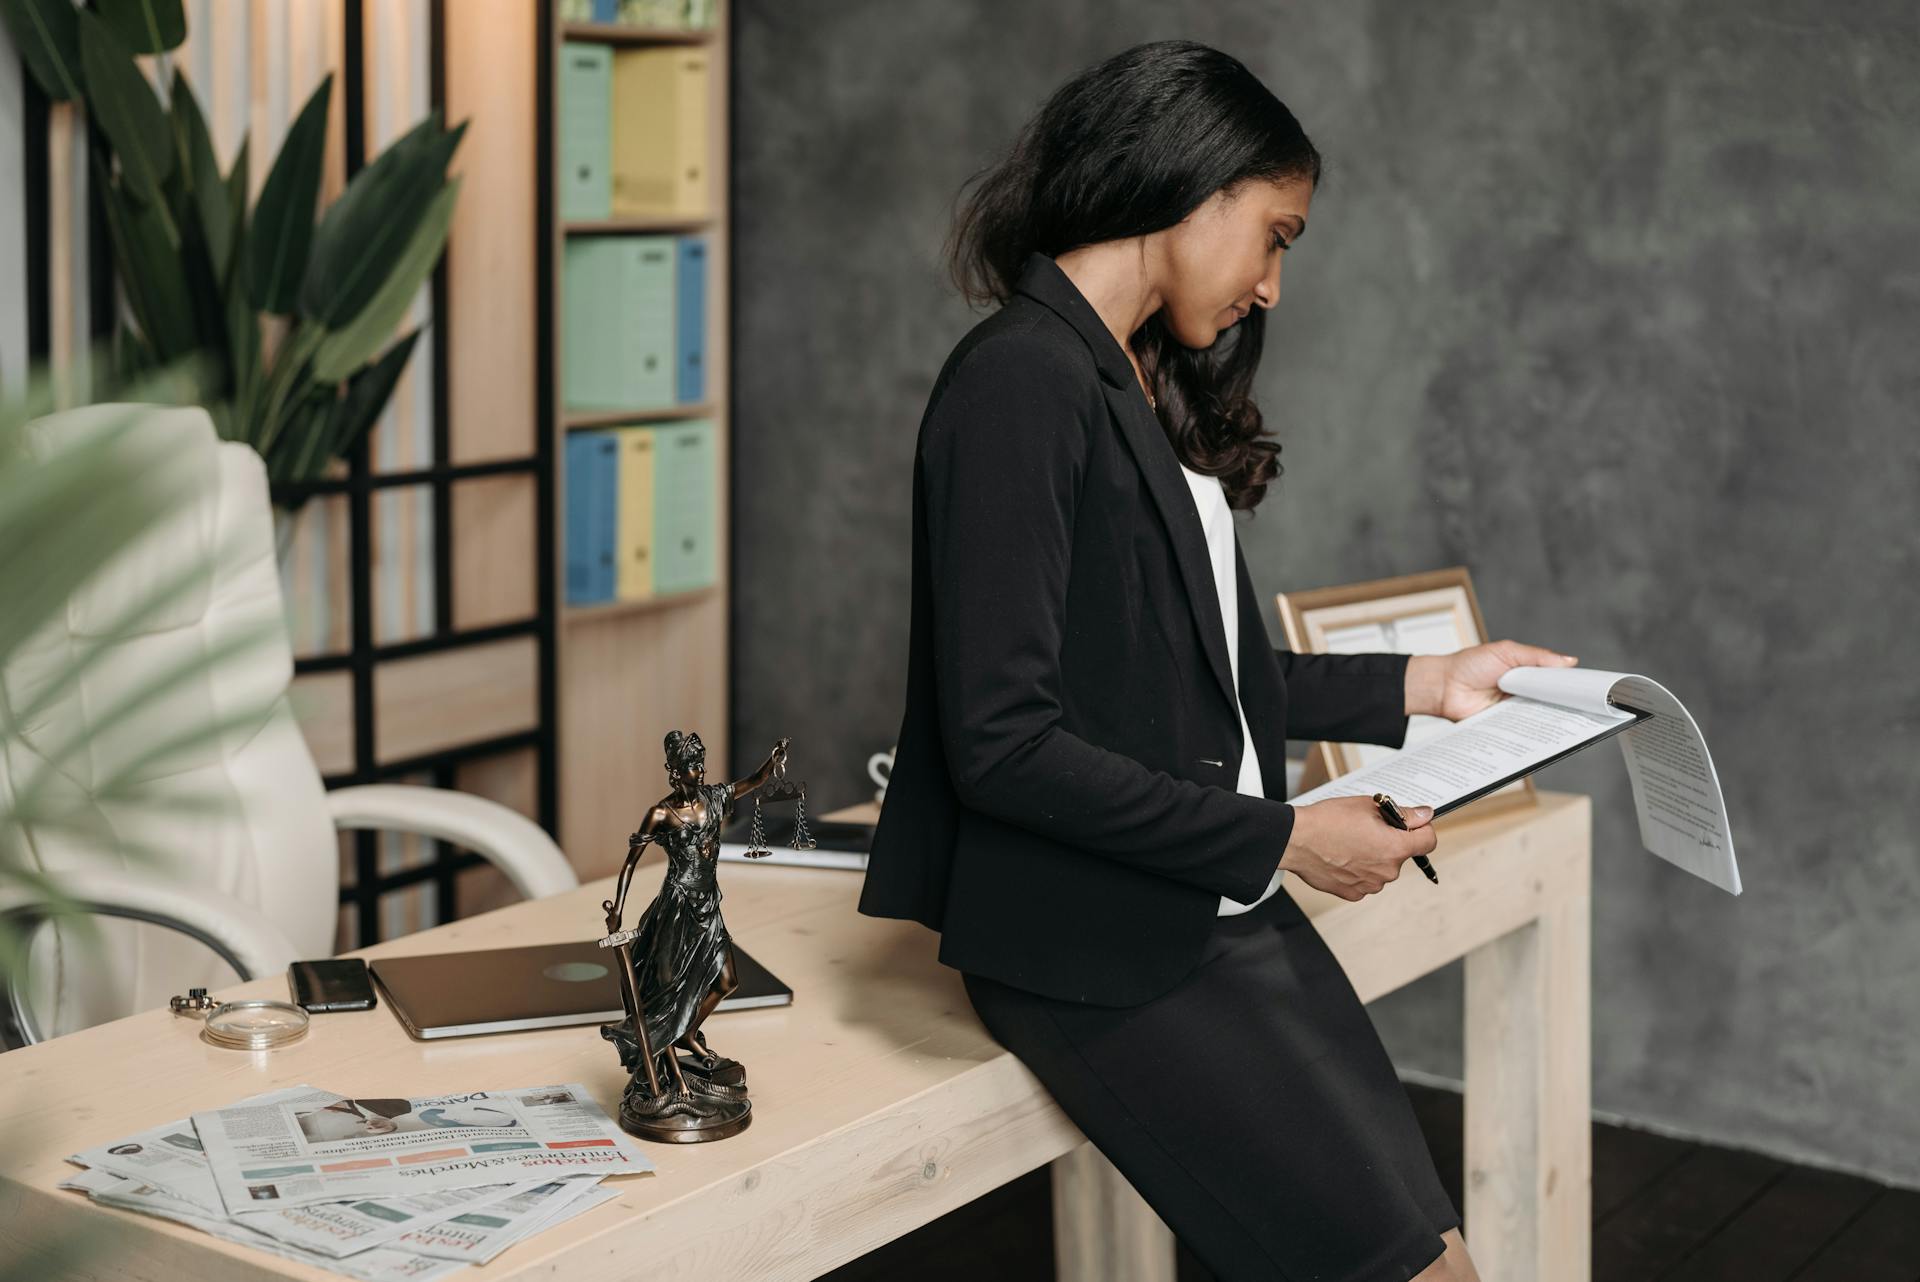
(1062, 804)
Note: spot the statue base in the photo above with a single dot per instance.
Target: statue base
(689, 1117)
(713, 1107)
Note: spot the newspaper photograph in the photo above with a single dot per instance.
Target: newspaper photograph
(295, 1152)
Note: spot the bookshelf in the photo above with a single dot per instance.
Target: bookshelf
(629, 670)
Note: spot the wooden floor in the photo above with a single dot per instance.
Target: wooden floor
(1664, 1210)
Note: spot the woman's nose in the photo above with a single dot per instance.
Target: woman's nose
(1267, 292)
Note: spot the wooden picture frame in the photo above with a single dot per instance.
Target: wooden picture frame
(1434, 612)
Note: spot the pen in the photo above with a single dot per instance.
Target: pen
(1391, 813)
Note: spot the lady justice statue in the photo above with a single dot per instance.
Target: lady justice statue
(676, 964)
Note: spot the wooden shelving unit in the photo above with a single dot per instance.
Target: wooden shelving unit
(629, 671)
(580, 420)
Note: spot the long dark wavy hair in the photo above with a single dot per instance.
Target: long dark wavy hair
(1126, 148)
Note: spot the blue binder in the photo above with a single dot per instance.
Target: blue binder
(593, 479)
(690, 287)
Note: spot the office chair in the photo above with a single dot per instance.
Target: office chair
(257, 885)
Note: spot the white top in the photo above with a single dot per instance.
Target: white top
(1216, 518)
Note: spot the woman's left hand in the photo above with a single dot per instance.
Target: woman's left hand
(1469, 679)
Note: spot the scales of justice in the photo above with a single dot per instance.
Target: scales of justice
(676, 963)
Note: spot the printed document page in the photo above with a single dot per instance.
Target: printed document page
(1557, 711)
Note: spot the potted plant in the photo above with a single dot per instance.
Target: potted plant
(296, 317)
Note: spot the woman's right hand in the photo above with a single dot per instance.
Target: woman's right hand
(1343, 847)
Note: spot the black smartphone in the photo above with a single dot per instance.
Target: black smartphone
(335, 983)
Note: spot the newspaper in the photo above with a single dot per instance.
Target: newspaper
(328, 1148)
(477, 1235)
(423, 1233)
(428, 1253)
(379, 1264)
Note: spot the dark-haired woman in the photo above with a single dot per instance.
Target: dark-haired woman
(1087, 800)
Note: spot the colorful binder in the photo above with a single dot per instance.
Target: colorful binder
(585, 151)
(592, 478)
(661, 132)
(618, 323)
(685, 504)
(634, 535)
(690, 296)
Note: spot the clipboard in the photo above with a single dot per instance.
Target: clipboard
(1639, 715)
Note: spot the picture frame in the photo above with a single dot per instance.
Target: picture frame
(1432, 612)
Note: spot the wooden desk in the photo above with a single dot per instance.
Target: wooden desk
(880, 1103)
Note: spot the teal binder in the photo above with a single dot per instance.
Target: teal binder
(619, 321)
(589, 323)
(685, 505)
(585, 153)
(651, 319)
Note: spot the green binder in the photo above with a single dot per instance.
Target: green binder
(618, 341)
(589, 323)
(685, 504)
(585, 153)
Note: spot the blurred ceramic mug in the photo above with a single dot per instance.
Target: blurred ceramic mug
(879, 767)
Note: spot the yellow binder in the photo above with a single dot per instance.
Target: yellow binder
(634, 537)
(661, 132)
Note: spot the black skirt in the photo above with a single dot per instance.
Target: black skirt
(1253, 1107)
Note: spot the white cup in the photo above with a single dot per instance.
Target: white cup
(879, 768)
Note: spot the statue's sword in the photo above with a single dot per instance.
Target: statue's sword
(621, 941)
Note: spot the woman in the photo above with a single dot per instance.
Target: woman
(1087, 798)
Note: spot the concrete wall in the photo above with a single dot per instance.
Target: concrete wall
(1617, 304)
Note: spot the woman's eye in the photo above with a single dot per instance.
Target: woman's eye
(1278, 243)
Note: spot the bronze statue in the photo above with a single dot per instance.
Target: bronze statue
(676, 964)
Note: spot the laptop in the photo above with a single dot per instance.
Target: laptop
(505, 990)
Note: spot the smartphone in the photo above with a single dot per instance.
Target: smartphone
(334, 983)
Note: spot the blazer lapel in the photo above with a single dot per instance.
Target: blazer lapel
(1042, 279)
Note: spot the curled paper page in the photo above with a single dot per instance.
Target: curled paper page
(1683, 815)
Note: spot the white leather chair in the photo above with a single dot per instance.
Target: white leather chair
(257, 881)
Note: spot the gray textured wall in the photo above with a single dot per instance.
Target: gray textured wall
(1616, 304)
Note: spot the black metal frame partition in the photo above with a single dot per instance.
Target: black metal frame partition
(370, 885)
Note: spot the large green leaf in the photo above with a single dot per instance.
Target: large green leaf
(150, 267)
(148, 26)
(282, 229)
(344, 350)
(365, 232)
(237, 208)
(300, 422)
(122, 101)
(202, 173)
(354, 414)
(47, 34)
(243, 357)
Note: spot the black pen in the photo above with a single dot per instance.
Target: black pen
(1391, 813)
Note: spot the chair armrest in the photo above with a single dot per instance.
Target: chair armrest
(244, 938)
(503, 837)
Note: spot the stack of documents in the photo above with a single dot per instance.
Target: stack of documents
(371, 1188)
